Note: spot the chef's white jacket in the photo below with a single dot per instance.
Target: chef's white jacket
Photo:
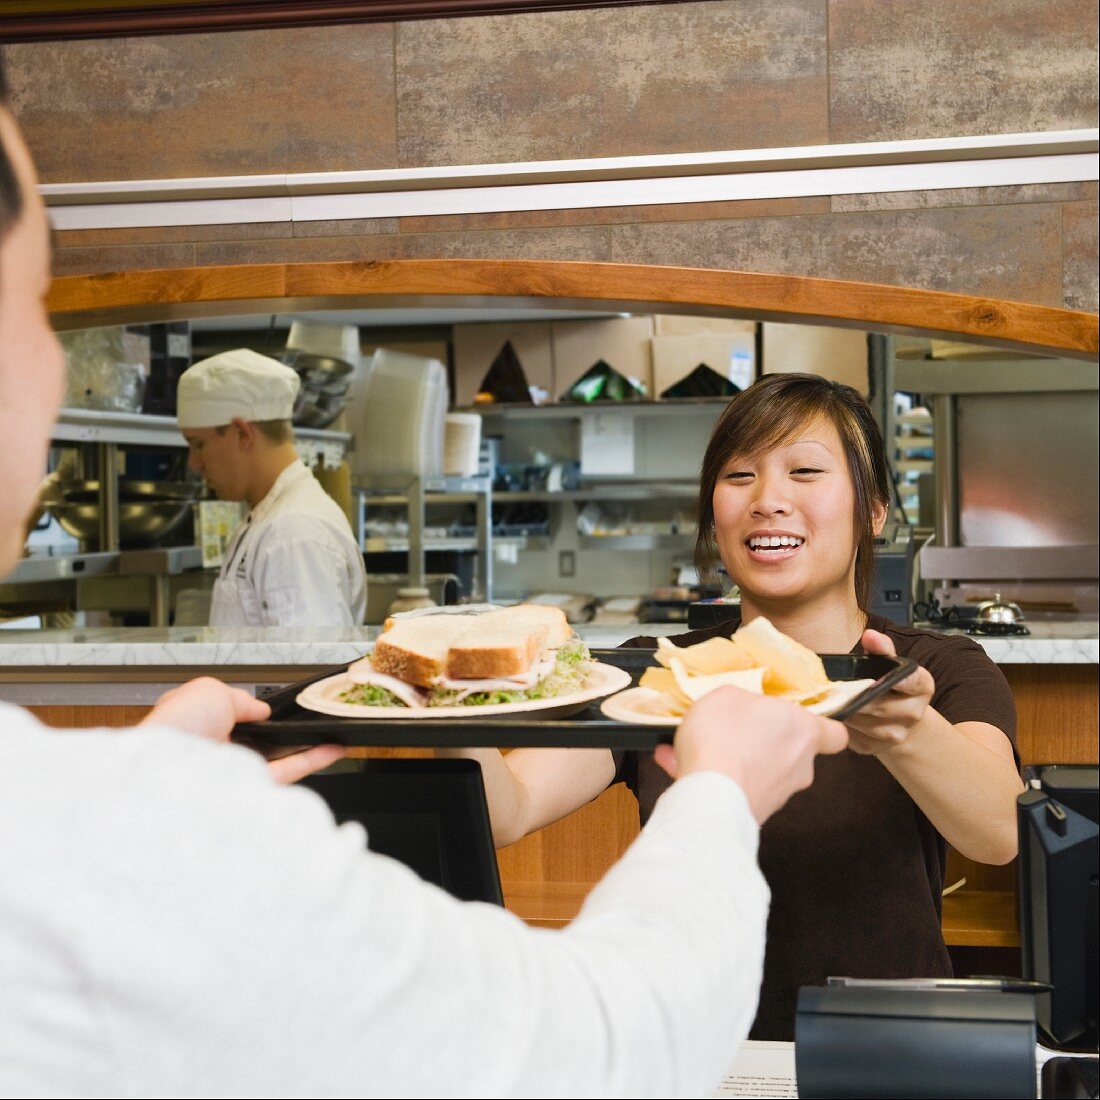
(292, 562)
(172, 923)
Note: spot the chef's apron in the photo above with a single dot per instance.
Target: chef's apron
(234, 601)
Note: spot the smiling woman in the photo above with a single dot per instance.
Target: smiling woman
(812, 428)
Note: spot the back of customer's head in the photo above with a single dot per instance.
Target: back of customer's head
(769, 413)
(32, 372)
(11, 194)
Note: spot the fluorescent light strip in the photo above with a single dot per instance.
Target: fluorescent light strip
(419, 192)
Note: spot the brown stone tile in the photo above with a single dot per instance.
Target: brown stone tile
(307, 99)
(940, 68)
(170, 234)
(1006, 252)
(965, 196)
(614, 215)
(552, 244)
(580, 243)
(134, 257)
(299, 250)
(661, 78)
(1079, 244)
(347, 227)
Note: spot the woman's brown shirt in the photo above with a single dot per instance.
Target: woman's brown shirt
(856, 870)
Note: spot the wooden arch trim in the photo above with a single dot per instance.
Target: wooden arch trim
(81, 301)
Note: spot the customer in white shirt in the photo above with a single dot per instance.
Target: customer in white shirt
(293, 561)
(175, 923)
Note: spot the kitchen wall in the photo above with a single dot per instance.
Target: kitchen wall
(660, 79)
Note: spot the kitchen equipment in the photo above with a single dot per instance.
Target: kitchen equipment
(106, 369)
(399, 421)
(997, 610)
(148, 510)
(892, 580)
(998, 617)
(325, 356)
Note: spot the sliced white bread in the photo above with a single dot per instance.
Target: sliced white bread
(497, 644)
(415, 650)
(507, 642)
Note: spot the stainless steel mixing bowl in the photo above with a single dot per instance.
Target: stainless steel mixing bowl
(148, 511)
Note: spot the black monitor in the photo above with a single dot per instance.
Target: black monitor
(429, 814)
(1058, 889)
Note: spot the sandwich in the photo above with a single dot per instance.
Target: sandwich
(758, 658)
(508, 655)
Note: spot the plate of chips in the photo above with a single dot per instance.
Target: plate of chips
(762, 660)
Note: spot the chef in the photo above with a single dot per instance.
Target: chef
(293, 561)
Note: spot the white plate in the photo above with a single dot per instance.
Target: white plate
(324, 697)
(644, 707)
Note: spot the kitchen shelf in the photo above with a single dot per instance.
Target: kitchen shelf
(636, 542)
(144, 430)
(42, 568)
(375, 544)
(603, 492)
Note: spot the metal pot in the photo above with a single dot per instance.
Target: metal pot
(324, 389)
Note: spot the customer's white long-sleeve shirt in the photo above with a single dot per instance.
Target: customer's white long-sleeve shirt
(172, 923)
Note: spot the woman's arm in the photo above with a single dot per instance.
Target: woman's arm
(531, 788)
(963, 777)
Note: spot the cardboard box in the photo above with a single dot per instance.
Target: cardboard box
(838, 354)
(622, 342)
(732, 355)
(675, 324)
(476, 346)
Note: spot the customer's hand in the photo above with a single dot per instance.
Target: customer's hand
(766, 745)
(207, 707)
(211, 709)
(889, 720)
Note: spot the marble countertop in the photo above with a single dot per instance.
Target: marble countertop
(152, 647)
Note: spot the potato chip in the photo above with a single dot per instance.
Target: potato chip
(791, 667)
(758, 658)
(663, 681)
(695, 687)
(715, 655)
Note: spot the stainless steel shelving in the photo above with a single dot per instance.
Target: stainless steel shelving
(107, 432)
(142, 430)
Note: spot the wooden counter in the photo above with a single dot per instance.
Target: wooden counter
(547, 875)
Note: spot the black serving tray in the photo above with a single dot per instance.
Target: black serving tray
(292, 725)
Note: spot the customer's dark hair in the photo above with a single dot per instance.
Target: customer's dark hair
(768, 413)
(11, 195)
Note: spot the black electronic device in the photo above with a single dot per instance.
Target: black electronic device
(1058, 891)
(867, 1041)
(892, 580)
(1071, 1079)
(429, 814)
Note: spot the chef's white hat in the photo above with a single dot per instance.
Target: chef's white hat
(239, 383)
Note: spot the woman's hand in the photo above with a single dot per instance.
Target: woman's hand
(208, 708)
(888, 721)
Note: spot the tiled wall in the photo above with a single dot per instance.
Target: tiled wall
(666, 78)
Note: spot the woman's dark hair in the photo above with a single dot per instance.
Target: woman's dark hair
(11, 195)
(769, 412)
